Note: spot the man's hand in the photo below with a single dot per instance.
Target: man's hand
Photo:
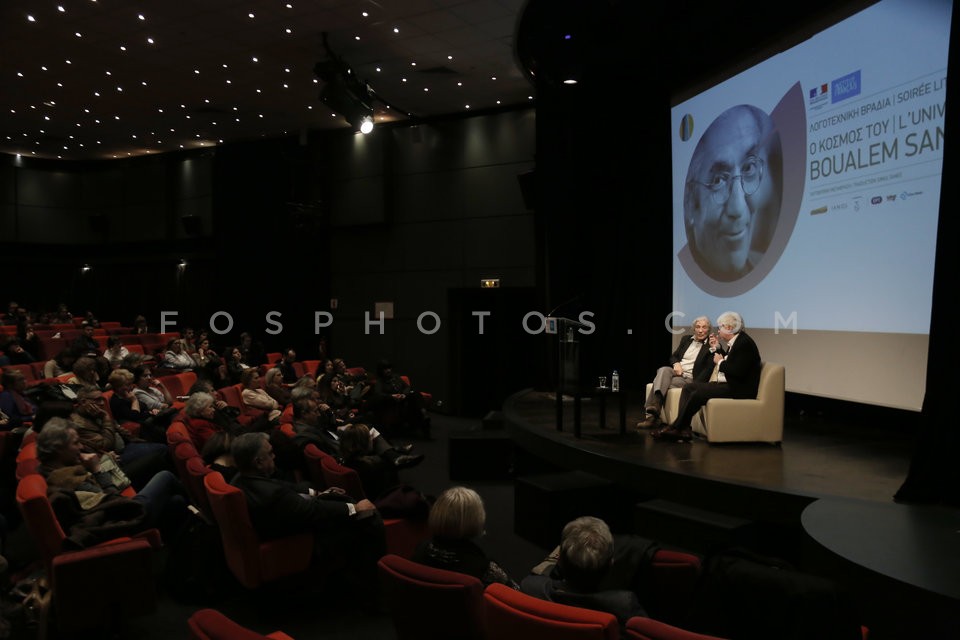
(90, 462)
(365, 505)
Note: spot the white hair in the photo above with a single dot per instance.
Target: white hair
(730, 320)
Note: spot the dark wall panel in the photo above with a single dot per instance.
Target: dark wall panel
(55, 189)
(102, 189)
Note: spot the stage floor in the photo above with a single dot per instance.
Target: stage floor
(819, 456)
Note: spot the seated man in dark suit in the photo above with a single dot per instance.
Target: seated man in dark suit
(346, 532)
(584, 575)
(737, 369)
(690, 362)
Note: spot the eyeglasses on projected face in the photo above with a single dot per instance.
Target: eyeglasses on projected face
(720, 184)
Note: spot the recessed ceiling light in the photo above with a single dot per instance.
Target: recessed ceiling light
(19, 74)
(357, 38)
(31, 19)
(122, 48)
(255, 59)
(78, 34)
(43, 68)
(140, 15)
(150, 40)
(396, 30)
(250, 15)
(288, 30)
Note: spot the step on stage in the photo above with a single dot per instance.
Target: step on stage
(831, 483)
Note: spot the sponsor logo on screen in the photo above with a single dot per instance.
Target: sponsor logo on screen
(818, 95)
(845, 87)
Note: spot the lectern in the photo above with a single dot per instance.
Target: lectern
(568, 365)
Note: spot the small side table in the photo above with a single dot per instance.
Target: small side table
(601, 393)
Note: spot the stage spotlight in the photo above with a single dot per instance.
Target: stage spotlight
(344, 92)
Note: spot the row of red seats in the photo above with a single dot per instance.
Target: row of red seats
(254, 562)
(429, 602)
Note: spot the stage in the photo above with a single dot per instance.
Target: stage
(818, 457)
(826, 493)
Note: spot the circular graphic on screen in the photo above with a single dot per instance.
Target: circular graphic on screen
(739, 207)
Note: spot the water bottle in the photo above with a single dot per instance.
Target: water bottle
(615, 382)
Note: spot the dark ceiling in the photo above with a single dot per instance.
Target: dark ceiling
(92, 79)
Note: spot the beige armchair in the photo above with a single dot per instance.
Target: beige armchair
(671, 404)
(760, 420)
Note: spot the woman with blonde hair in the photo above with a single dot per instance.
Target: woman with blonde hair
(456, 520)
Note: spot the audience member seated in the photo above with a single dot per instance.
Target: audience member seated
(63, 315)
(46, 410)
(199, 417)
(456, 521)
(224, 415)
(313, 426)
(60, 364)
(217, 456)
(176, 359)
(189, 342)
(235, 366)
(325, 369)
(29, 339)
(346, 532)
(12, 314)
(85, 344)
(127, 405)
(14, 403)
(253, 395)
(85, 372)
(378, 471)
(85, 500)
(578, 577)
(140, 325)
(331, 393)
(99, 434)
(273, 384)
(152, 393)
(208, 362)
(115, 352)
(286, 366)
(91, 319)
(14, 353)
(392, 396)
(252, 353)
